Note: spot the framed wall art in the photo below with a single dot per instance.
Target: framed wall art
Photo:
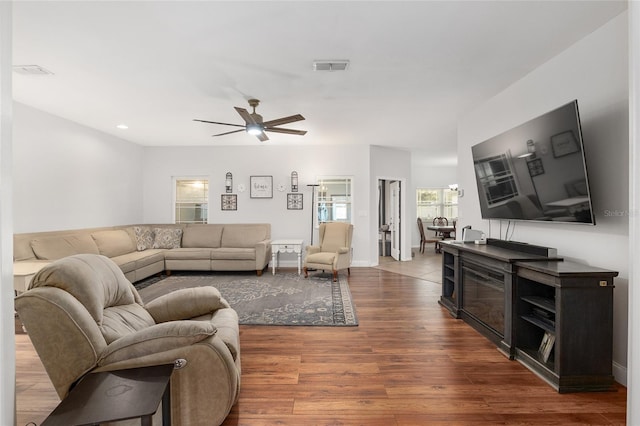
(294, 201)
(564, 143)
(535, 167)
(229, 202)
(261, 186)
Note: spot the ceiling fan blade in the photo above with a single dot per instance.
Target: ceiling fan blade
(283, 120)
(228, 133)
(262, 136)
(217, 122)
(288, 131)
(245, 115)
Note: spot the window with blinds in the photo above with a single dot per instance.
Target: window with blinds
(436, 202)
(333, 201)
(192, 200)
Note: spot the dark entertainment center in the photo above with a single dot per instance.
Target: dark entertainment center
(553, 316)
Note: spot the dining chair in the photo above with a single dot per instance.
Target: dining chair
(424, 240)
(440, 221)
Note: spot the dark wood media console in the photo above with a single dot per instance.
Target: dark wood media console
(554, 317)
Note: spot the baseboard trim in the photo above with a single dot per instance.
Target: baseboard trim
(620, 373)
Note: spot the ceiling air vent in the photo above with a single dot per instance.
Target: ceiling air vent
(31, 70)
(334, 65)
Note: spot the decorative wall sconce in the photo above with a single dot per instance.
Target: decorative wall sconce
(294, 181)
(228, 183)
(531, 151)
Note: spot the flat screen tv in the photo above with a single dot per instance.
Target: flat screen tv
(536, 171)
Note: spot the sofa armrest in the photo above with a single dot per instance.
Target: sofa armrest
(263, 253)
(157, 338)
(343, 250)
(186, 303)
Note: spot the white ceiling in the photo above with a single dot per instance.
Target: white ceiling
(415, 67)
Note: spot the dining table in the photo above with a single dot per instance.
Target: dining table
(442, 231)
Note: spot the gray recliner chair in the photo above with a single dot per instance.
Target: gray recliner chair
(83, 316)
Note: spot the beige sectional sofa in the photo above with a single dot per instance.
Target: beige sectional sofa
(144, 250)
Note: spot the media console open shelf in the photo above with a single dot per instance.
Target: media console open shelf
(553, 316)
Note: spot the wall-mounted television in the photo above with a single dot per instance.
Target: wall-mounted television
(536, 171)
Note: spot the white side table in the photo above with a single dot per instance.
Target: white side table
(285, 246)
(23, 272)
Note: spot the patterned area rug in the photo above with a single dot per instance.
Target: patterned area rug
(282, 299)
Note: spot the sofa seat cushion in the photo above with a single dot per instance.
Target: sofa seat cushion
(149, 257)
(202, 236)
(322, 258)
(138, 259)
(188, 254)
(57, 247)
(114, 242)
(225, 253)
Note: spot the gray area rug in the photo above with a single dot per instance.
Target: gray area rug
(282, 299)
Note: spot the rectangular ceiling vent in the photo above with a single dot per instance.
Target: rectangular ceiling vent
(333, 65)
(31, 70)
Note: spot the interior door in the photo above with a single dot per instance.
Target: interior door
(394, 224)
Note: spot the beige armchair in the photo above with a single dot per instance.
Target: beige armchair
(84, 316)
(334, 250)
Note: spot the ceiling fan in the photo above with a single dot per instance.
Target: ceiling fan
(255, 126)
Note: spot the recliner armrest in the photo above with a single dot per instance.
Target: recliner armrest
(155, 339)
(186, 303)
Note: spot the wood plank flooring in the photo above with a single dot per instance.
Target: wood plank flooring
(407, 363)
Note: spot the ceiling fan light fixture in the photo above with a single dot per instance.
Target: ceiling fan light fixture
(254, 129)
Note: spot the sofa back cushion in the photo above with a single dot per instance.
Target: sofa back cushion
(202, 236)
(245, 235)
(53, 248)
(114, 242)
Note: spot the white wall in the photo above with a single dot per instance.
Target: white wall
(391, 164)
(70, 176)
(7, 337)
(593, 71)
(633, 372)
(161, 164)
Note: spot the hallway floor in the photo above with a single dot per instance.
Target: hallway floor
(425, 266)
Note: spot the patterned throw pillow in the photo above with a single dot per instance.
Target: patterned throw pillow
(167, 238)
(144, 237)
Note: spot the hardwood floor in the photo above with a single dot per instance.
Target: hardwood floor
(407, 363)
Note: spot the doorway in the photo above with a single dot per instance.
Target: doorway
(389, 219)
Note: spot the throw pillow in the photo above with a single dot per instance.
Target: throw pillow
(144, 237)
(167, 238)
